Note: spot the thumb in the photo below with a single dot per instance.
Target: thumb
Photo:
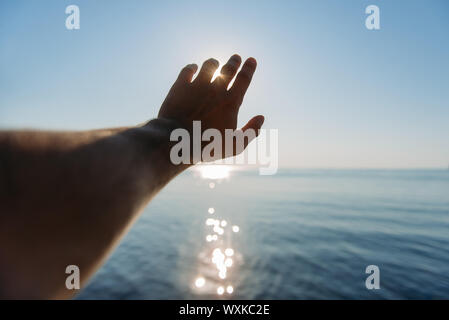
(255, 123)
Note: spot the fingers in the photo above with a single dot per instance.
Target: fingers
(207, 70)
(229, 70)
(187, 73)
(243, 79)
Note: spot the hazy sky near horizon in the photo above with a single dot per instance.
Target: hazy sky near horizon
(339, 94)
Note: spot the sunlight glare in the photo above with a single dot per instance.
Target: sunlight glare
(229, 252)
(214, 171)
(217, 73)
(199, 282)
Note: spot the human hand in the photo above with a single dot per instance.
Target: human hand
(211, 102)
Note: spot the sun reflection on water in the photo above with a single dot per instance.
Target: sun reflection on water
(217, 258)
(199, 282)
(213, 171)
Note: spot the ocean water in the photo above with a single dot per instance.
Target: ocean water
(303, 234)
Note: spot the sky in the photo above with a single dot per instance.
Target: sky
(340, 95)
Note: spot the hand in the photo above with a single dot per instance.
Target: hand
(211, 102)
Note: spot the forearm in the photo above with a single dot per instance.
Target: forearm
(83, 188)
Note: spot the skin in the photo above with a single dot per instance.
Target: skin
(68, 197)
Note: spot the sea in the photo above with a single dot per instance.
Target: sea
(298, 234)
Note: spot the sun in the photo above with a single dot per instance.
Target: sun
(217, 73)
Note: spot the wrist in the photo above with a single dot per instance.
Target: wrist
(153, 145)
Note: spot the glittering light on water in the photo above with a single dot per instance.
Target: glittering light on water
(210, 238)
(200, 282)
(220, 231)
(229, 252)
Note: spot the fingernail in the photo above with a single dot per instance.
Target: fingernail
(235, 57)
(252, 61)
(214, 61)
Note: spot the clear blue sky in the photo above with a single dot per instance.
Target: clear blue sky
(340, 95)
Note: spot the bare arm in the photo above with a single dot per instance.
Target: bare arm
(68, 197)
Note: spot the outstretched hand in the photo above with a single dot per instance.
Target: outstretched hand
(211, 102)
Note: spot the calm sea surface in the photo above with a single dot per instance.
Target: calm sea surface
(302, 234)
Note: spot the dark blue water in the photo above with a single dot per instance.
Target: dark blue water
(304, 234)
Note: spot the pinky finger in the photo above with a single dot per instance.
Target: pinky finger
(187, 73)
